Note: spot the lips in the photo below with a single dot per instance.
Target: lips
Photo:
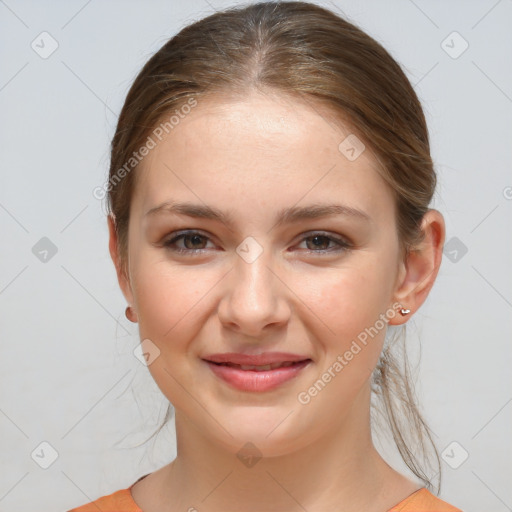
(256, 373)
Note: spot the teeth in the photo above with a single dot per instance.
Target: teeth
(257, 368)
(261, 368)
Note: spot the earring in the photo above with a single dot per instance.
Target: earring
(129, 314)
(404, 311)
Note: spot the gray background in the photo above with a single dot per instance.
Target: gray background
(68, 374)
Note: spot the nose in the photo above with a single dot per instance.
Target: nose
(254, 298)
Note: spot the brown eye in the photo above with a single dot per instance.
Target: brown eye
(319, 243)
(192, 242)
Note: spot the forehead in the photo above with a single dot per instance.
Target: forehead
(270, 148)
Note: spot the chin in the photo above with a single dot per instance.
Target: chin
(264, 434)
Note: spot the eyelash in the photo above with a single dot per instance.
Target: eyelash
(343, 244)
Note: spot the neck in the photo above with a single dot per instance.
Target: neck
(341, 470)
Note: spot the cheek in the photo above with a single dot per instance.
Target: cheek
(348, 300)
(169, 301)
(170, 304)
(350, 333)
(348, 304)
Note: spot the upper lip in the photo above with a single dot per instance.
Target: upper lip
(254, 360)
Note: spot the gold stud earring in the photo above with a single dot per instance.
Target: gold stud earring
(404, 311)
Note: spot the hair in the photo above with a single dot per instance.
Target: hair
(304, 51)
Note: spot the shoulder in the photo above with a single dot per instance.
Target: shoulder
(119, 501)
(424, 501)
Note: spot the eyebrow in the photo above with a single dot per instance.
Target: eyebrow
(284, 216)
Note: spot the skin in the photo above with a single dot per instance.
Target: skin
(253, 157)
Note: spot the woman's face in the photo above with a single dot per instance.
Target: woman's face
(266, 275)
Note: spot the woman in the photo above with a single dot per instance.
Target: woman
(269, 217)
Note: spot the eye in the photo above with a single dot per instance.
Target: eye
(193, 242)
(320, 243)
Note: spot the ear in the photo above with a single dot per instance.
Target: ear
(418, 272)
(122, 278)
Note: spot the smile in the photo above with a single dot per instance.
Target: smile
(257, 378)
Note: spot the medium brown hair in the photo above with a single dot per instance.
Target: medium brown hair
(304, 51)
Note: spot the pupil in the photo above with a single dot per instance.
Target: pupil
(195, 238)
(318, 238)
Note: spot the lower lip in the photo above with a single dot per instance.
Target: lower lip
(252, 380)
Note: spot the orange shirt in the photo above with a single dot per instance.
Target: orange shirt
(121, 501)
